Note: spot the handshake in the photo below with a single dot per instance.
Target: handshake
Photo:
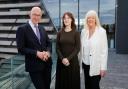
(43, 55)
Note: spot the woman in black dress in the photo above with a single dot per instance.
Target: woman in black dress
(68, 46)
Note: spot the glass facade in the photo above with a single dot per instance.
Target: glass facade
(105, 9)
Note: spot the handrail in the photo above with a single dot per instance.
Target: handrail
(11, 31)
(44, 7)
(19, 5)
(19, 72)
(14, 71)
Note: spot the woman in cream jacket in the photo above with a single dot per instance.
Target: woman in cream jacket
(94, 50)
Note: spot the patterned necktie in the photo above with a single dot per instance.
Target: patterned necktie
(37, 32)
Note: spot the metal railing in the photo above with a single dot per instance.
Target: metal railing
(45, 8)
(17, 77)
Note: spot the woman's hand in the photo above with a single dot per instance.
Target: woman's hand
(102, 73)
(65, 62)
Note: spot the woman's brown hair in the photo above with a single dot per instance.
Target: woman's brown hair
(73, 25)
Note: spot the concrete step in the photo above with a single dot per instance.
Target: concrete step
(10, 13)
(2, 28)
(49, 28)
(8, 28)
(14, 28)
(19, 5)
(8, 50)
(5, 42)
(6, 56)
(6, 35)
(6, 20)
(45, 20)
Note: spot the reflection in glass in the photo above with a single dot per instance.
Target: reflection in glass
(105, 8)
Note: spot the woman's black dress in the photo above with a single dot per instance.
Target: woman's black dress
(68, 46)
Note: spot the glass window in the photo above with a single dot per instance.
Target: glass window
(105, 9)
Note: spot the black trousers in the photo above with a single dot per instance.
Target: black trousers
(41, 79)
(91, 82)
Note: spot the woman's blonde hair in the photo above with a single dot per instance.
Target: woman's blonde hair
(91, 13)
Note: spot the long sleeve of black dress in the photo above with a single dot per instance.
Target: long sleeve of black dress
(76, 47)
(58, 46)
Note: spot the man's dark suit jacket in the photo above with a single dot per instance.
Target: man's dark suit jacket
(28, 44)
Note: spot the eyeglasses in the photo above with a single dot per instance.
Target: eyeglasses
(37, 15)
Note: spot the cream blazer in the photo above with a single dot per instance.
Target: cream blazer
(98, 50)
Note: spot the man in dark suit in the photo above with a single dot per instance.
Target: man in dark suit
(33, 42)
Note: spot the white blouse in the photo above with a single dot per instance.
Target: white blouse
(86, 52)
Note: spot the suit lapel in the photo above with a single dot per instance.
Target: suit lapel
(31, 32)
(41, 34)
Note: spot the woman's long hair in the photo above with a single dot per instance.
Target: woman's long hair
(91, 13)
(73, 25)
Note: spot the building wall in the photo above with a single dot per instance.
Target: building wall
(122, 27)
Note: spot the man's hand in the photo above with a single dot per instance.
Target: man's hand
(40, 55)
(43, 55)
(48, 53)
